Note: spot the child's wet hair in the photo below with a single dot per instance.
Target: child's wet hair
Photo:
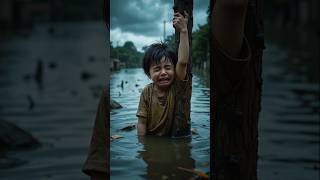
(155, 53)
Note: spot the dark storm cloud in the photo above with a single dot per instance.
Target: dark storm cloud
(137, 16)
(200, 5)
(143, 16)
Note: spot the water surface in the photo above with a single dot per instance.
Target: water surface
(156, 157)
(64, 103)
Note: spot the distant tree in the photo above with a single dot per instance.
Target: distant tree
(130, 46)
(171, 42)
(127, 53)
(200, 45)
(113, 51)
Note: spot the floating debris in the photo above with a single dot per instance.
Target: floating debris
(39, 72)
(12, 136)
(164, 177)
(121, 84)
(86, 75)
(96, 94)
(51, 30)
(199, 174)
(204, 164)
(194, 131)
(129, 127)
(27, 77)
(52, 65)
(31, 102)
(96, 90)
(6, 163)
(74, 92)
(114, 104)
(115, 136)
(91, 59)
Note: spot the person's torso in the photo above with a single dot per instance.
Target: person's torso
(172, 117)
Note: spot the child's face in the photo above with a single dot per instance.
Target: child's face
(162, 74)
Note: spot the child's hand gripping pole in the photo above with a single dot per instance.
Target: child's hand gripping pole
(180, 22)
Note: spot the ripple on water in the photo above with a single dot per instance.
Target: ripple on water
(155, 156)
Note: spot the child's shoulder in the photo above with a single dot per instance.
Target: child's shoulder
(147, 89)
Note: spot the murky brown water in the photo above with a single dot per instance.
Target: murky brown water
(155, 157)
(64, 110)
(289, 139)
(64, 104)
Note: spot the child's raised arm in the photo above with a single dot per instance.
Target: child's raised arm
(181, 24)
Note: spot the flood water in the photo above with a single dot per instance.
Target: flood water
(289, 124)
(156, 157)
(65, 104)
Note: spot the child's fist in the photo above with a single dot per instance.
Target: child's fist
(180, 22)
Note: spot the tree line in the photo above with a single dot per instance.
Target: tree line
(129, 54)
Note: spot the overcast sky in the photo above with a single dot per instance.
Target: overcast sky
(141, 21)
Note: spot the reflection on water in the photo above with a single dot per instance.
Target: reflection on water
(289, 142)
(155, 157)
(299, 52)
(62, 113)
(163, 156)
(55, 104)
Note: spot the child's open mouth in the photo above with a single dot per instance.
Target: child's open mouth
(164, 81)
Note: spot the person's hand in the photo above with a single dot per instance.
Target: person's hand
(180, 22)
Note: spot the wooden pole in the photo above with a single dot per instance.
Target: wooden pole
(180, 6)
(164, 30)
(234, 117)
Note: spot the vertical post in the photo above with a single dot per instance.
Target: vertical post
(235, 108)
(180, 6)
(106, 119)
(164, 30)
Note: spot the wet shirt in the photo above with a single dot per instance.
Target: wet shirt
(169, 116)
(98, 153)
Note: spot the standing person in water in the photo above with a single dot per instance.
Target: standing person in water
(164, 107)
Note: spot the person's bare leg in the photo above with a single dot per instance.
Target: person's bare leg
(228, 20)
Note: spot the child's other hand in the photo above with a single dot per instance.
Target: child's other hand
(180, 22)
